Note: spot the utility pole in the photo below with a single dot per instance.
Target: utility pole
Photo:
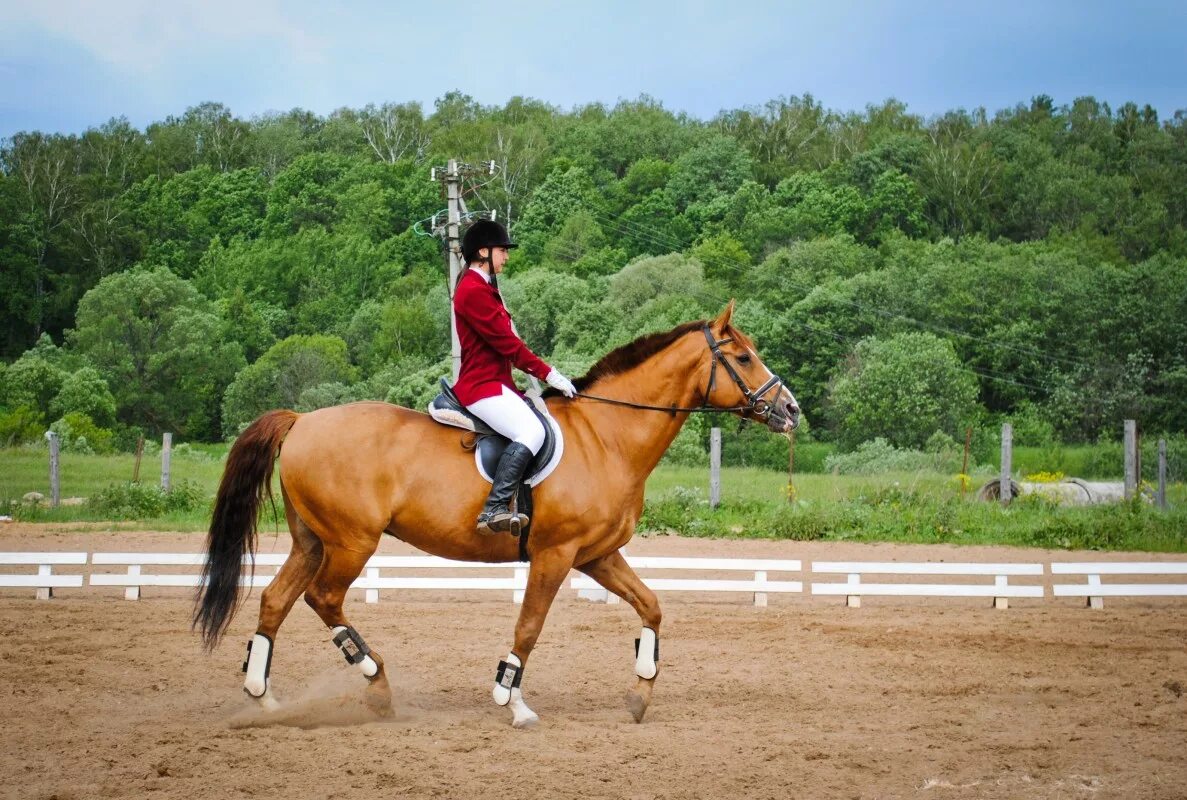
(455, 212)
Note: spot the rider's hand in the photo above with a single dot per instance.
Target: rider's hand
(560, 383)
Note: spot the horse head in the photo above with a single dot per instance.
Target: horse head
(748, 385)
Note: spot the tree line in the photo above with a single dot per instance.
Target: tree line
(905, 275)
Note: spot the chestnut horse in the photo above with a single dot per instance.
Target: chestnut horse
(351, 473)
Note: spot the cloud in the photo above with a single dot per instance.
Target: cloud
(136, 35)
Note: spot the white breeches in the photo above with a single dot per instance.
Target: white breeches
(509, 414)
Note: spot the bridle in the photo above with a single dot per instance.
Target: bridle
(756, 405)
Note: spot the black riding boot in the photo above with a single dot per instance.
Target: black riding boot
(496, 516)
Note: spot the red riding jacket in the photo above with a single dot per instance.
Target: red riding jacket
(489, 345)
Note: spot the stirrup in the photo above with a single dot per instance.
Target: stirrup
(492, 523)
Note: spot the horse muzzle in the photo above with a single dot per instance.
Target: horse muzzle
(783, 418)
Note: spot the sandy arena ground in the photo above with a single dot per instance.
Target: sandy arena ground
(941, 698)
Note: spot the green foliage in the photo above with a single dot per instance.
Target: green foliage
(904, 389)
(718, 166)
(416, 385)
(31, 382)
(1046, 243)
(647, 279)
(20, 425)
(158, 346)
(145, 501)
(80, 434)
(85, 392)
(280, 377)
(878, 456)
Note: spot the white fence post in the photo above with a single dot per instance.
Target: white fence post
(1161, 473)
(166, 455)
(714, 467)
(1005, 490)
(1131, 458)
(55, 486)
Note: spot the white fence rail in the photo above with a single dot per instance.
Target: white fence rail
(1096, 592)
(135, 577)
(45, 581)
(758, 585)
(853, 589)
(431, 573)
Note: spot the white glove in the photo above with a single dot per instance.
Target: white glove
(560, 383)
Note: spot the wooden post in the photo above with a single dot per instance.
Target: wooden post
(166, 457)
(1161, 497)
(139, 453)
(1007, 462)
(791, 467)
(55, 485)
(964, 467)
(1131, 458)
(714, 467)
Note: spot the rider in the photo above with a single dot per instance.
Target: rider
(490, 346)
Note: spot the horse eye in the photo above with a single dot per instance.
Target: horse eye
(744, 358)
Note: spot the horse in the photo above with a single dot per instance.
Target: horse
(350, 474)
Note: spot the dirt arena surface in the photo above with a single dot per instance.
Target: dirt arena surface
(940, 698)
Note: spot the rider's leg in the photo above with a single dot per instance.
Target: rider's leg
(508, 414)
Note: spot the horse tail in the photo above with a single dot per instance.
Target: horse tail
(247, 481)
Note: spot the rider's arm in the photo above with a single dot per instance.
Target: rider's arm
(482, 310)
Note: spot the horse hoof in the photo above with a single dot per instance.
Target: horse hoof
(523, 723)
(636, 704)
(378, 696)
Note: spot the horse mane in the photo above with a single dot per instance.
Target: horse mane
(633, 354)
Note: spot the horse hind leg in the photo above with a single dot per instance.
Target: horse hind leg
(276, 601)
(325, 596)
(612, 572)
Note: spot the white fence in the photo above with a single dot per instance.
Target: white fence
(1096, 592)
(388, 573)
(45, 581)
(853, 589)
(758, 585)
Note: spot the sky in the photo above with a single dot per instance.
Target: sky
(68, 65)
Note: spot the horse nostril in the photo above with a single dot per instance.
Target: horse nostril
(792, 410)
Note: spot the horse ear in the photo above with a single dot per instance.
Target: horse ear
(723, 319)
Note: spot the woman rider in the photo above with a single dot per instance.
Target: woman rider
(490, 346)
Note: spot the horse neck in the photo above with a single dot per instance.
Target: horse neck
(640, 437)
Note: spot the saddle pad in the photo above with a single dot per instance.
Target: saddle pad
(489, 450)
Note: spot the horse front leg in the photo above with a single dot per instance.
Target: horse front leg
(612, 572)
(545, 577)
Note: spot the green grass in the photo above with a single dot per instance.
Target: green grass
(919, 507)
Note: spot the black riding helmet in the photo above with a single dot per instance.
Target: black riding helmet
(484, 233)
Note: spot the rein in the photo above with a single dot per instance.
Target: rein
(761, 408)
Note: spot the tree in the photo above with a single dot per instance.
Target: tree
(653, 277)
(719, 166)
(560, 196)
(44, 169)
(159, 346)
(31, 382)
(85, 392)
(903, 389)
(282, 375)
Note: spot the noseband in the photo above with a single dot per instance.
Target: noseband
(755, 406)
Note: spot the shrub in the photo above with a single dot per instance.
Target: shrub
(144, 501)
(21, 425)
(79, 434)
(902, 389)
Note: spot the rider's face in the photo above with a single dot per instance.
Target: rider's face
(498, 258)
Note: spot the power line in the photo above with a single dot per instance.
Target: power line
(673, 245)
(984, 373)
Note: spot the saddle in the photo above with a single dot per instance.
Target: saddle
(488, 445)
